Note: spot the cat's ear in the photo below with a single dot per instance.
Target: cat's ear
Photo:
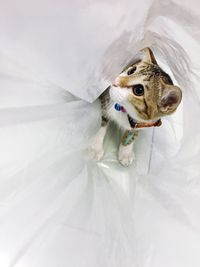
(170, 99)
(148, 55)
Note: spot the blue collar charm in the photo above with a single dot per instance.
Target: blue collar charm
(118, 107)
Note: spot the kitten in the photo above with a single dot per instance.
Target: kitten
(139, 97)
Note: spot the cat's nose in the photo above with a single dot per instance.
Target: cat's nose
(170, 100)
(116, 82)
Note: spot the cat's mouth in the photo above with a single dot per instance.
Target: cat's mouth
(137, 115)
(120, 96)
(135, 123)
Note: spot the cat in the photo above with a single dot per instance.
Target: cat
(139, 97)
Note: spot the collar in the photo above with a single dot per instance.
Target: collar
(135, 124)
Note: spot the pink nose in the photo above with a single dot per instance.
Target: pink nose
(116, 82)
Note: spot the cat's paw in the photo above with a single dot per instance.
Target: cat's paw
(126, 155)
(96, 152)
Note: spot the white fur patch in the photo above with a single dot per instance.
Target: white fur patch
(126, 155)
(96, 150)
(118, 94)
(119, 117)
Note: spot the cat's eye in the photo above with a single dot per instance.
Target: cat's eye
(131, 71)
(138, 90)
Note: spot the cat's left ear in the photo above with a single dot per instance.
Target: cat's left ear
(149, 56)
(170, 98)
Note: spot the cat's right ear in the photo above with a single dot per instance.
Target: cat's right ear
(148, 55)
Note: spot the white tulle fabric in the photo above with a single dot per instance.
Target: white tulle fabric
(58, 207)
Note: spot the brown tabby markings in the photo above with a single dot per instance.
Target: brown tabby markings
(105, 100)
(152, 76)
(158, 98)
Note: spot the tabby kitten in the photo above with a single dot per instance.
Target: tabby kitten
(138, 98)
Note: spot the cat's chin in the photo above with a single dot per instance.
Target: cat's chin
(120, 96)
(133, 114)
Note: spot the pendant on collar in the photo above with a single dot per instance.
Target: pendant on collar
(118, 107)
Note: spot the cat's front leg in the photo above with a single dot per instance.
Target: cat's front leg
(96, 150)
(125, 153)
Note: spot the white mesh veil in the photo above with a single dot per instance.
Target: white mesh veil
(57, 207)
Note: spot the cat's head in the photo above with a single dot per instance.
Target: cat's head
(145, 90)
